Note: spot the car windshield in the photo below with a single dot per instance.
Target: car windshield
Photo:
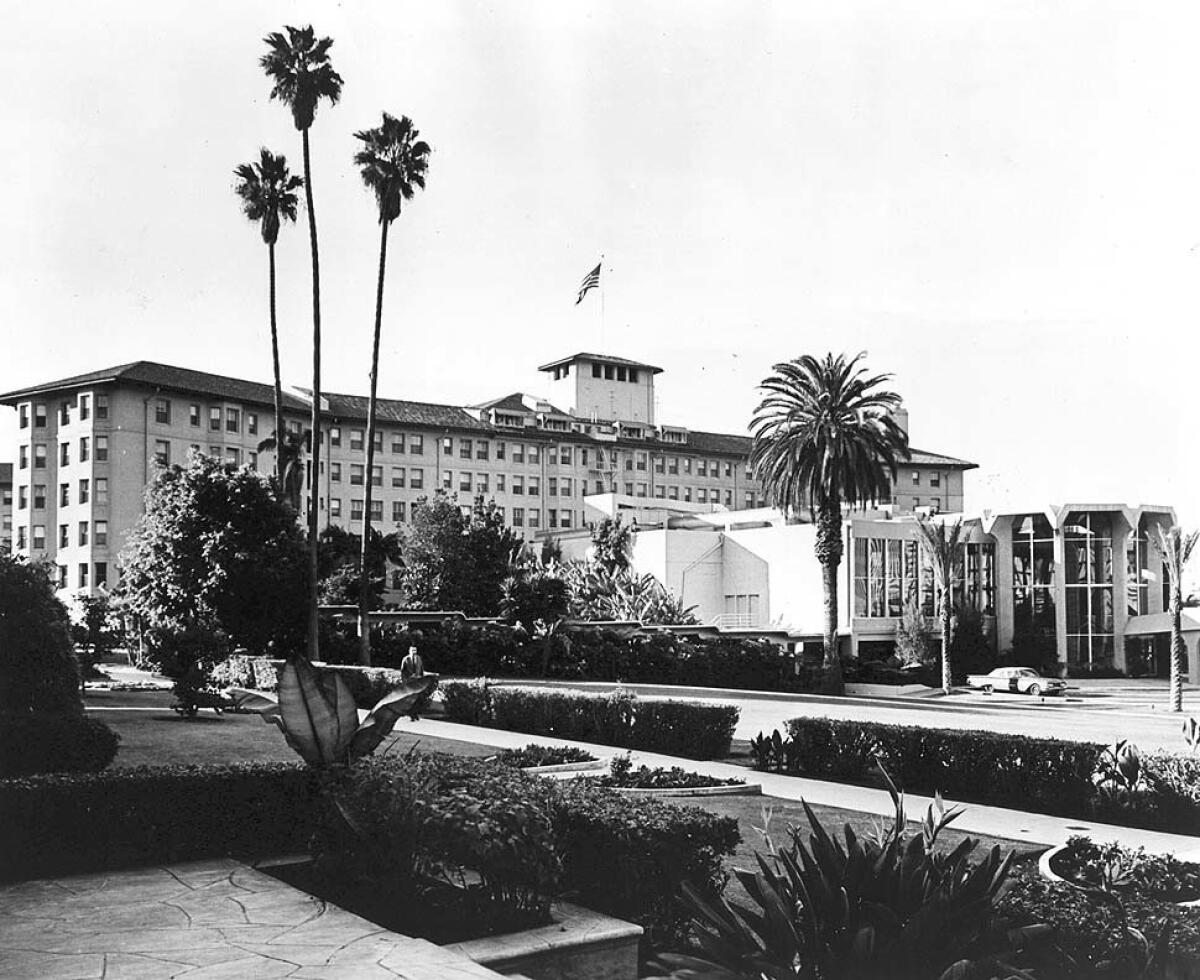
(1029, 673)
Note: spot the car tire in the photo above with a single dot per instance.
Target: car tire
(987, 689)
(1035, 690)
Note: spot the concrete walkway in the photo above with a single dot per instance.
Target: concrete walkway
(1030, 828)
(210, 920)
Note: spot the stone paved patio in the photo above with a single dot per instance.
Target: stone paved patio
(203, 921)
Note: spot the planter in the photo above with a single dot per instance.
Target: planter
(744, 789)
(566, 767)
(1051, 875)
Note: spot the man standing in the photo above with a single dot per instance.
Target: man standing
(411, 668)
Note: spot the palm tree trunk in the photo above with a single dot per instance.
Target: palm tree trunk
(364, 584)
(315, 422)
(278, 383)
(829, 554)
(947, 639)
(1178, 648)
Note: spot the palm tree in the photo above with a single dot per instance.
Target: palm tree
(289, 462)
(268, 196)
(299, 67)
(392, 162)
(1176, 548)
(824, 435)
(943, 547)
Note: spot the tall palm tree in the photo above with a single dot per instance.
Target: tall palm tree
(299, 67)
(268, 194)
(824, 435)
(1176, 548)
(943, 547)
(289, 456)
(392, 162)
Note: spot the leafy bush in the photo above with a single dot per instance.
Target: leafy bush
(689, 729)
(1158, 790)
(622, 775)
(1158, 876)
(971, 651)
(38, 671)
(868, 908)
(254, 673)
(532, 756)
(58, 824)
(35, 743)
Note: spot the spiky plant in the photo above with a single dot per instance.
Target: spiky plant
(1176, 548)
(943, 548)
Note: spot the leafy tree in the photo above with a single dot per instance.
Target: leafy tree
(824, 436)
(457, 561)
(595, 593)
(914, 636)
(97, 634)
(943, 547)
(612, 541)
(268, 194)
(1176, 549)
(289, 463)
(340, 565)
(971, 651)
(38, 671)
(392, 164)
(217, 549)
(299, 67)
(536, 599)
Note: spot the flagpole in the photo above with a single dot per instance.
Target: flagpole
(603, 277)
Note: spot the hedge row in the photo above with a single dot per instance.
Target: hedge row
(457, 649)
(41, 742)
(1060, 777)
(681, 728)
(367, 684)
(617, 854)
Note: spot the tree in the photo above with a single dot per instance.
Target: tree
(914, 636)
(457, 561)
(299, 67)
(268, 194)
(392, 164)
(289, 459)
(38, 671)
(340, 565)
(597, 593)
(1176, 548)
(943, 548)
(96, 633)
(216, 549)
(825, 435)
(612, 541)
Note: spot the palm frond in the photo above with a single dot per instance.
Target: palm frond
(268, 192)
(298, 65)
(392, 163)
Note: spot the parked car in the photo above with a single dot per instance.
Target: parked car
(1017, 680)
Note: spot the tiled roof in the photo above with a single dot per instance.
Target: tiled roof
(602, 358)
(922, 458)
(718, 442)
(402, 412)
(152, 375)
(516, 403)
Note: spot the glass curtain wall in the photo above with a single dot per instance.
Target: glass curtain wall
(890, 573)
(1137, 579)
(1088, 560)
(1033, 577)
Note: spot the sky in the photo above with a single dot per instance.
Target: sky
(998, 201)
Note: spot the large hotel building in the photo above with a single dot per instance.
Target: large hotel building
(88, 445)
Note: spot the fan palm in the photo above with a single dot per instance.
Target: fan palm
(268, 194)
(392, 162)
(824, 436)
(943, 547)
(299, 67)
(289, 460)
(1176, 548)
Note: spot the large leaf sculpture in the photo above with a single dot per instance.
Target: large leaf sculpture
(318, 717)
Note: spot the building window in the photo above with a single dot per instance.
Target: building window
(83, 575)
(335, 435)
(535, 454)
(253, 458)
(356, 438)
(64, 454)
(566, 487)
(84, 449)
(641, 461)
(64, 413)
(234, 455)
(378, 440)
(416, 444)
(335, 472)
(416, 479)
(564, 455)
(673, 465)
(447, 480)
(102, 490)
(356, 509)
(481, 485)
(83, 532)
(935, 479)
(64, 495)
(162, 452)
(162, 411)
(252, 423)
(398, 474)
(481, 449)
(84, 488)
(447, 446)
(500, 450)
(23, 458)
(64, 535)
(701, 495)
(518, 485)
(376, 476)
(101, 533)
(214, 419)
(464, 481)
(1033, 578)
(701, 467)
(335, 506)
(518, 453)
(101, 573)
(356, 474)
(23, 416)
(62, 576)
(499, 483)
(518, 517)
(464, 448)
(102, 406)
(564, 519)
(377, 510)
(641, 489)
(398, 442)
(194, 415)
(660, 464)
(534, 517)
(552, 517)
(660, 492)
(552, 486)
(687, 495)
(1137, 573)
(39, 496)
(39, 416)
(1088, 569)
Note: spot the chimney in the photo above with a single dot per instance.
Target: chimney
(900, 415)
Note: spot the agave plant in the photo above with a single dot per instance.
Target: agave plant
(890, 906)
(318, 716)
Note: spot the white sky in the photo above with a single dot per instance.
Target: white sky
(998, 201)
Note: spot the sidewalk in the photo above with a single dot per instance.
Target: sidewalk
(1015, 825)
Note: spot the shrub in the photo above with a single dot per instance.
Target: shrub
(622, 775)
(34, 743)
(38, 671)
(684, 728)
(254, 673)
(60, 824)
(1158, 876)
(532, 756)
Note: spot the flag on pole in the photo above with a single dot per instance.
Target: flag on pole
(590, 281)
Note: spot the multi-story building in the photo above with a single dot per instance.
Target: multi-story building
(6, 506)
(88, 446)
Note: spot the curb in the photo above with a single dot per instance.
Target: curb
(1051, 875)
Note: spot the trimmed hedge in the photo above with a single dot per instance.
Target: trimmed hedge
(367, 684)
(1049, 775)
(681, 728)
(41, 743)
(62, 824)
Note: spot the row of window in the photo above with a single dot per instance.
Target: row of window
(38, 453)
(228, 418)
(231, 454)
(64, 411)
(83, 577)
(34, 539)
(521, 516)
(64, 494)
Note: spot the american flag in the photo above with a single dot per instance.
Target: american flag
(590, 281)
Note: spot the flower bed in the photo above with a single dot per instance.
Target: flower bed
(622, 775)
(536, 756)
(1154, 876)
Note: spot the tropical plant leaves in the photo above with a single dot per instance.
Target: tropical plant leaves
(382, 718)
